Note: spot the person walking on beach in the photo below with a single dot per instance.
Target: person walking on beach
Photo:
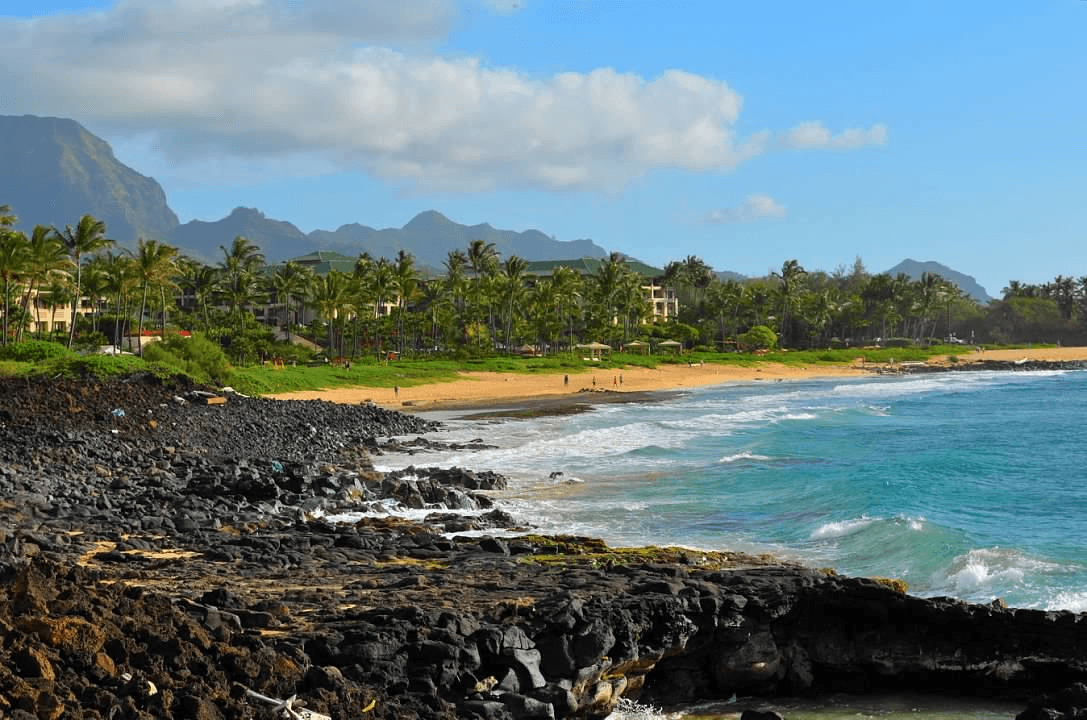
(566, 381)
(615, 381)
(594, 380)
(620, 379)
(396, 391)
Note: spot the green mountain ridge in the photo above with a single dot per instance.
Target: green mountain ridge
(57, 171)
(914, 269)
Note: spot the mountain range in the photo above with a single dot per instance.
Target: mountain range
(58, 171)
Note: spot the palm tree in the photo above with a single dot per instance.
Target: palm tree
(46, 256)
(789, 294)
(240, 265)
(96, 286)
(456, 285)
(568, 291)
(14, 264)
(88, 236)
(155, 263)
(203, 280)
(405, 281)
(58, 293)
(609, 277)
(727, 298)
(290, 280)
(696, 273)
(483, 259)
(121, 279)
(513, 291)
(332, 300)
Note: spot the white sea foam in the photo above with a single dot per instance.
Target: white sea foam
(799, 416)
(627, 709)
(744, 456)
(840, 529)
(997, 568)
(1076, 601)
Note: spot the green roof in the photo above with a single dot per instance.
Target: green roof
(588, 266)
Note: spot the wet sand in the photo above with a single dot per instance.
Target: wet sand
(485, 390)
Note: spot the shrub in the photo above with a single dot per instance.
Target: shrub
(196, 356)
(760, 337)
(33, 351)
(101, 366)
(89, 341)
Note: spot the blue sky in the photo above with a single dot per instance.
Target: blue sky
(745, 133)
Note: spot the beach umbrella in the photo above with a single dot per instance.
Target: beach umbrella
(594, 348)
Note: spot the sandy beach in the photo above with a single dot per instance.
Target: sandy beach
(491, 389)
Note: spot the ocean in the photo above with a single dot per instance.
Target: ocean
(966, 484)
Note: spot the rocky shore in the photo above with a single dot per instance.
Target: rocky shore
(163, 557)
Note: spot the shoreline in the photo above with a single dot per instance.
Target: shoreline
(209, 549)
(487, 391)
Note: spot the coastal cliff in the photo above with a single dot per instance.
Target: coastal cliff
(164, 557)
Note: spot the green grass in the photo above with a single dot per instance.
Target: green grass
(266, 379)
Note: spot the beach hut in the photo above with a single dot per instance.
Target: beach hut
(672, 345)
(636, 347)
(594, 348)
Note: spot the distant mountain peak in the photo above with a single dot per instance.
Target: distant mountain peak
(56, 171)
(914, 269)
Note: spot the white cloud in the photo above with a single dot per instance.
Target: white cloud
(812, 135)
(753, 207)
(352, 84)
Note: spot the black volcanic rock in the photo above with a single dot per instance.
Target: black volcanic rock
(151, 569)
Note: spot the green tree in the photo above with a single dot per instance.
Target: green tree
(239, 280)
(87, 237)
(155, 264)
(290, 281)
(405, 281)
(46, 256)
(790, 292)
(14, 264)
(332, 301)
(121, 280)
(203, 281)
(513, 293)
(759, 337)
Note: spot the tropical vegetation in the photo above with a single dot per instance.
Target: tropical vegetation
(480, 305)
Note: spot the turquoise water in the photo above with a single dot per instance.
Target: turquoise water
(972, 485)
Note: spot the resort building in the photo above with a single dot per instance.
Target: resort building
(663, 301)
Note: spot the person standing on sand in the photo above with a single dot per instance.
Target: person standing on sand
(615, 381)
(566, 381)
(594, 380)
(620, 379)
(396, 391)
